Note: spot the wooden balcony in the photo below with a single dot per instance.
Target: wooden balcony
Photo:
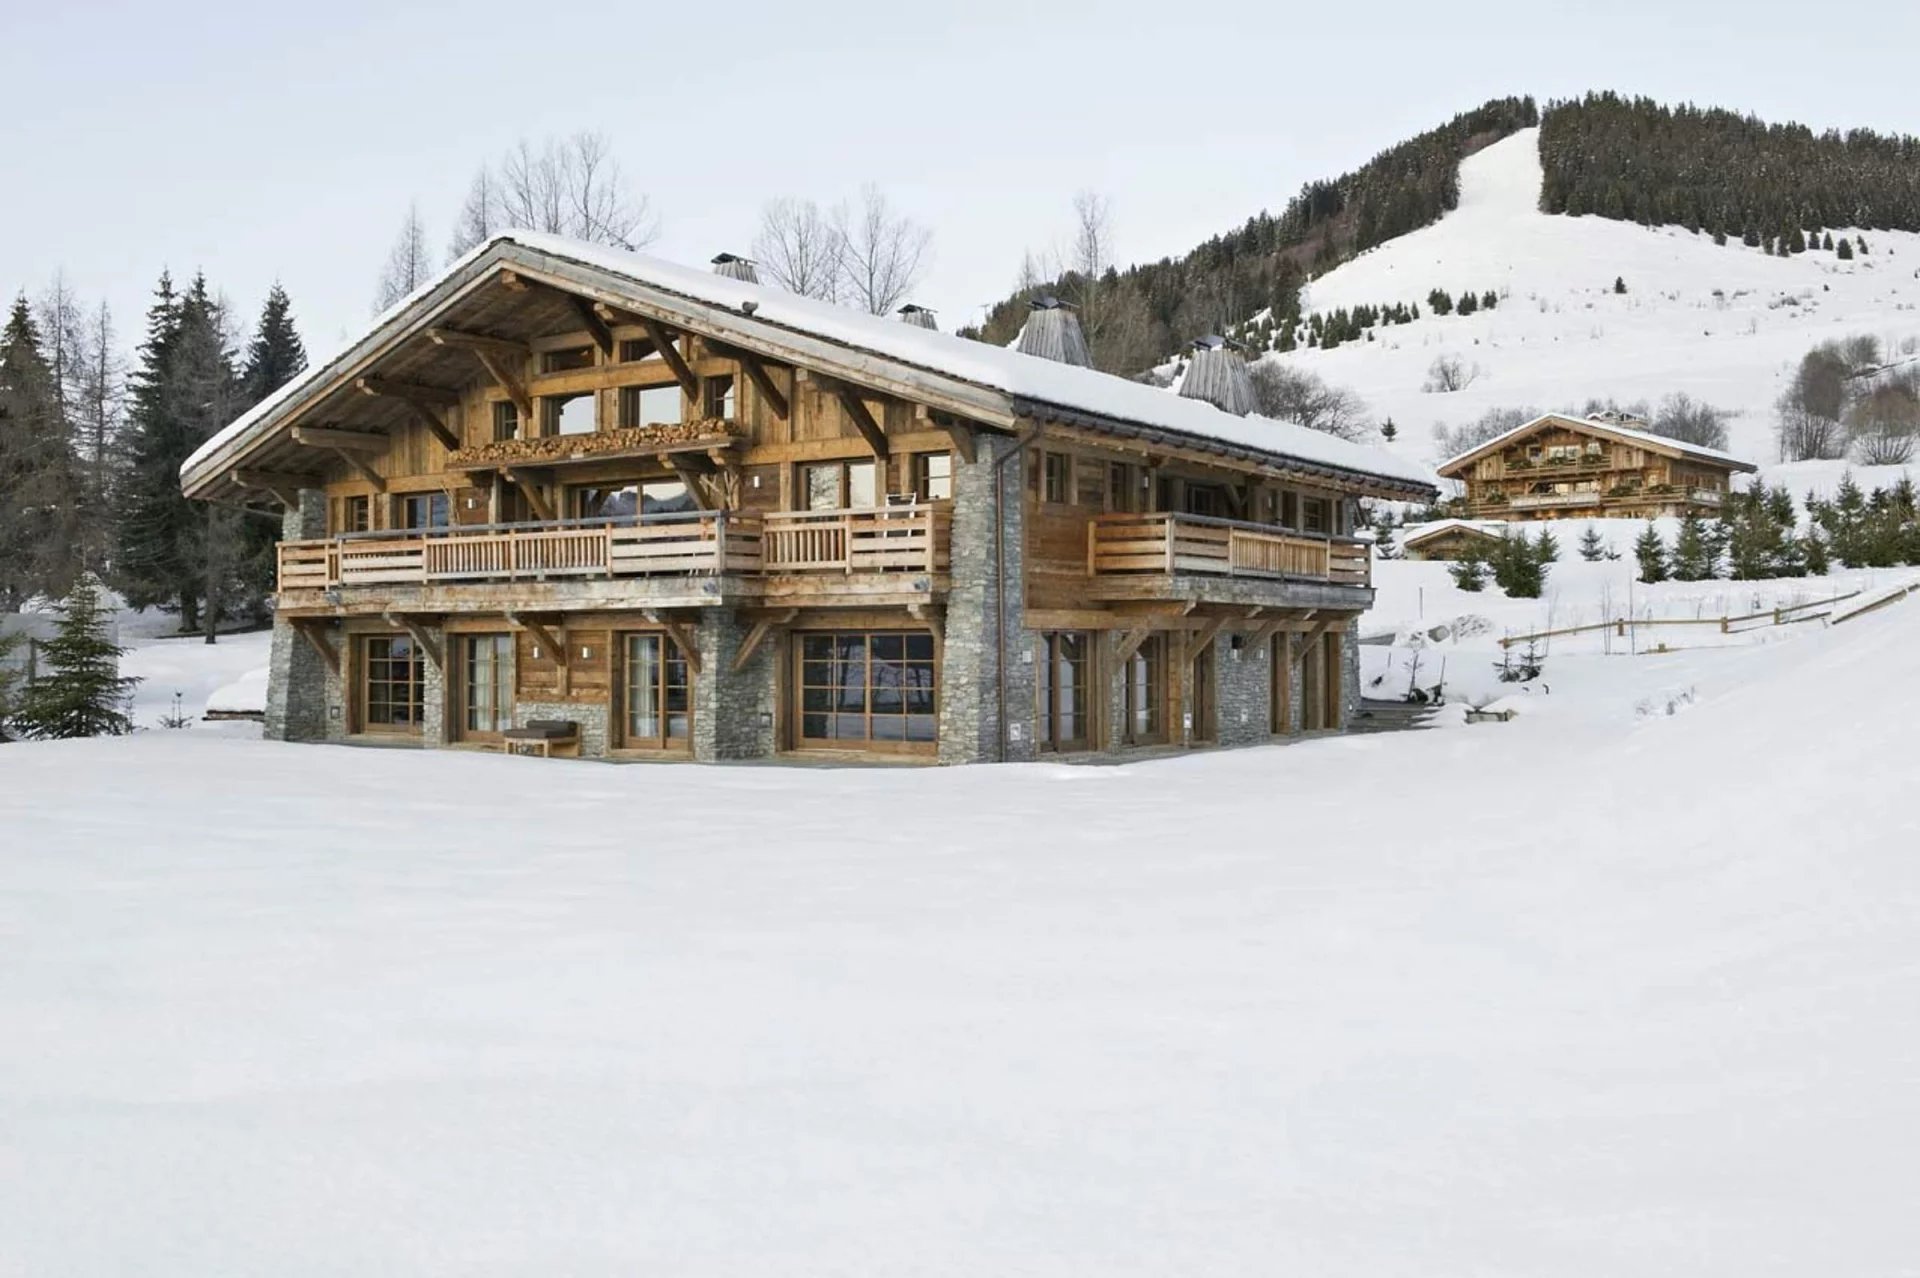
(1170, 545)
(896, 539)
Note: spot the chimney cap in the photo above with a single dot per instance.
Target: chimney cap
(1048, 302)
(1215, 342)
(721, 259)
(914, 308)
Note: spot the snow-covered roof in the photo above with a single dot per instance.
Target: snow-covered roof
(1030, 386)
(1625, 434)
(1434, 528)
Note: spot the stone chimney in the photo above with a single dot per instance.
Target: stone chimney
(735, 268)
(1052, 331)
(918, 316)
(1217, 372)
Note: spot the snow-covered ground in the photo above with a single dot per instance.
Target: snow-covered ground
(1724, 324)
(1590, 993)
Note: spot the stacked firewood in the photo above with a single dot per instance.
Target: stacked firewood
(552, 448)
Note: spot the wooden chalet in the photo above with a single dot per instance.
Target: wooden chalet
(1451, 538)
(1604, 467)
(592, 503)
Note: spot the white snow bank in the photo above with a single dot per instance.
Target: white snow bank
(245, 695)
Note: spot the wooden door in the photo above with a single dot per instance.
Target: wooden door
(1206, 725)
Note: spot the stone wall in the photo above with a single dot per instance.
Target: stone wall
(591, 718)
(733, 713)
(1245, 685)
(969, 687)
(303, 697)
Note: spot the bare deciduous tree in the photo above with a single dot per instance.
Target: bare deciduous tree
(799, 248)
(882, 253)
(1452, 441)
(1690, 421)
(571, 186)
(1294, 395)
(1448, 374)
(1883, 423)
(407, 267)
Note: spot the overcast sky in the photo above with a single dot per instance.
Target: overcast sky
(264, 140)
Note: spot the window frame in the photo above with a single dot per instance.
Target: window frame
(501, 690)
(1049, 691)
(671, 672)
(1144, 693)
(1056, 476)
(553, 409)
(506, 420)
(414, 685)
(728, 407)
(924, 479)
(628, 412)
(806, 660)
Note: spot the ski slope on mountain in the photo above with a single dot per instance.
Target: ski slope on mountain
(1580, 995)
(1726, 324)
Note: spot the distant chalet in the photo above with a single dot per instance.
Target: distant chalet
(568, 500)
(1600, 467)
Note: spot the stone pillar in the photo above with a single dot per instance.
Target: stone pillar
(733, 714)
(1350, 674)
(436, 728)
(1245, 689)
(300, 688)
(969, 684)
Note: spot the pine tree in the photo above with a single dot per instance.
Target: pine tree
(1469, 571)
(1797, 242)
(1844, 249)
(1388, 431)
(1439, 302)
(1619, 283)
(1467, 304)
(276, 354)
(1650, 552)
(1696, 551)
(1826, 242)
(40, 478)
(1813, 552)
(1518, 568)
(81, 692)
(1593, 547)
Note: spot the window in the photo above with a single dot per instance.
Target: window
(1289, 510)
(841, 485)
(421, 511)
(486, 683)
(650, 405)
(656, 695)
(355, 515)
(1063, 690)
(638, 350)
(392, 684)
(569, 414)
(610, 501)
(1205, 499)
(506, 420)
(717, 397)
(1313, 514)
(1056, 478)
(1123, 495)
(567, 360)
(666, 497)
(868, 689)
(1146, 693)
(933, 476)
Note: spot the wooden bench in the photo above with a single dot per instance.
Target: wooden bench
(543, 738)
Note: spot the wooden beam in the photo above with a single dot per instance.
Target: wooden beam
(431, 420)
(596, 327)
(541, 635)
(934, 618)
(531, 491)
(509, 381)
(758, 635)
(681, 634)
(457, 339)
(366, 472)
(960, 433)
(756, 370)
(688, 475)
(315, 634)
(346, 441)
(513, 280)
(1204, 637)
(284, 486)
(663, 342)
(394, 388)
(1306, 641)
(856, 410)
(421, 636)
(1130, 643)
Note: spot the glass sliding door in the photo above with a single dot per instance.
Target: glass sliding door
(1063, 719)
(486, 686)
(656, 696)
(1146, 693)
(392, 684)
(872, 690)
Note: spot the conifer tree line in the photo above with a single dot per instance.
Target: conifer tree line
(91, 445)
(1730, 175)
(1260, 267)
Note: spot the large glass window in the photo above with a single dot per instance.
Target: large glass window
(933, 476)
(486, 668)
(1146, 693)
(422, 510)
(603, 501)
(717, 397)
(570, 414)
(840, 485)
(1063, 690)
(392, 684)
(506, 420)
(650, 405)
(656, 695)
(868, 689)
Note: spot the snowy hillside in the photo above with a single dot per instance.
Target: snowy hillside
(1723, 324)
(1302, 1009)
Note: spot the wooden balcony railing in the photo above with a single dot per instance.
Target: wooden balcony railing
(899, 538)
(1169, 544)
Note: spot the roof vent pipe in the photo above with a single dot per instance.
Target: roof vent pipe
(736, 268)
(1052, 331)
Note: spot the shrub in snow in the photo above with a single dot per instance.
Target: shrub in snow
(81, 693)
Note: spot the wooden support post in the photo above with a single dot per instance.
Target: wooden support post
(311, 631)
(421, 636)
(346, 441)
(284, 486)
(758, 635)
(934, 618)
(366, 472)
(1204, 637)
(457, 339)
(691, 477)
(1306, 641)
(1130, 643)
(394, 388)
(960, 433)
(682, 635)
(663, 342)
(756, 370)
(537, 628)
(856, 410)
(596, 327)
